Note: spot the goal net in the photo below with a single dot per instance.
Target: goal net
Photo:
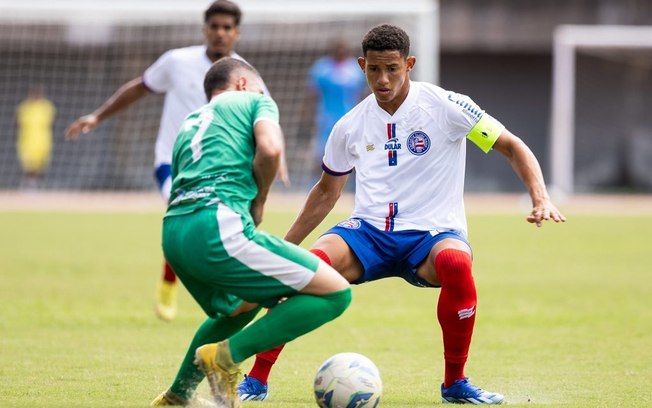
(601, 128)
(81, 52)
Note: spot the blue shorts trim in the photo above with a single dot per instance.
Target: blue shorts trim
(385, 254)
(162, 173)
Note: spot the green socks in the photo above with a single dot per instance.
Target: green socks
(211, 331)
(288, 320)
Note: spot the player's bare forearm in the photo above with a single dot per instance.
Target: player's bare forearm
(283, 172)
(126, 95)
(315, 209)
(320, 202)
(529, 171)
(265, 166)
(269, 149)
(122, 98)
(527, 167)
(264, 169)
(258, 203)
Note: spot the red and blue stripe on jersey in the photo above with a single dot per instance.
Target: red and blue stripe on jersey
(392, 158)
(389, 220)
(392, 155)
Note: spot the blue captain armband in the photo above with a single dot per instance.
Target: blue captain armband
(485, 132)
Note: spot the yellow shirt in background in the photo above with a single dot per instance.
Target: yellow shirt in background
(35, 118)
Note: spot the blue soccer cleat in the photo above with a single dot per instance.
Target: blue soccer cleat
(463, 392)
(250, 389)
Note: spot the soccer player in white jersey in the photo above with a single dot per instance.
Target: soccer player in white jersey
(179, 73)
(407, 144)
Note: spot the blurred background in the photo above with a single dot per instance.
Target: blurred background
(505, 54)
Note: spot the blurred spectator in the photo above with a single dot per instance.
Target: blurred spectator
(335, 85)
(34, 117)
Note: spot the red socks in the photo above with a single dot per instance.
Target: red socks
(263, 364)
(455, 310)
(168, 274)
(265, 360)
(322, 255)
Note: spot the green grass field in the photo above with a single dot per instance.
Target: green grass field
(565, 316)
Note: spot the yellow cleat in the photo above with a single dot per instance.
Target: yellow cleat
(168, 399)
(221, 372)
(166, 303)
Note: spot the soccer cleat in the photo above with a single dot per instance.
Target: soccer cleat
(221, 372)
(169, 399)
(166, 302)
(463, 392)
(250, 389)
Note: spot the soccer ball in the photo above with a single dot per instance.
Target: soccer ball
(348, 380)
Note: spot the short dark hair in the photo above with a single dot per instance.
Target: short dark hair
(223, 7)
(219, 74)
(386, 37)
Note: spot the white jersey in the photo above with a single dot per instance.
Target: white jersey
(179, 73)
(409, 167)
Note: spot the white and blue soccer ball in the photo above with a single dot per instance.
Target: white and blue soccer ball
(348, 380)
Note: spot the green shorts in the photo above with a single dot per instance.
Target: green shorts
(222, 259)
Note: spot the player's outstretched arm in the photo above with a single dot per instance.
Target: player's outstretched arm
(269, 149)
(527, 167)
(121, 99)
(318, 204)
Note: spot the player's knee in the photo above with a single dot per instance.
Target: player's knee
(245, 307)
(454, 268)
(338, 302)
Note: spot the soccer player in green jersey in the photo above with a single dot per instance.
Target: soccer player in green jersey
(223, 164)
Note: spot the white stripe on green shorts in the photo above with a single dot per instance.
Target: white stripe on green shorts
(257, 257)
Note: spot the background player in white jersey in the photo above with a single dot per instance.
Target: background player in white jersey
(407, 143)
(179, 73)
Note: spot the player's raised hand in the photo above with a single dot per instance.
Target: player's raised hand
(83, 124)
(545, 211)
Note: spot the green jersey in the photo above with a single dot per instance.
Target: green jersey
(214, 152)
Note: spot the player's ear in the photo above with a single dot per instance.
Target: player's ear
(411, 60)
(362, 63)
(241, 84)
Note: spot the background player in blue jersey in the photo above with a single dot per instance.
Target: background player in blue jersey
(335, 85)
(407, 143)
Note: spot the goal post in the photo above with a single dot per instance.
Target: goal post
(568, 40)
(82, 51)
